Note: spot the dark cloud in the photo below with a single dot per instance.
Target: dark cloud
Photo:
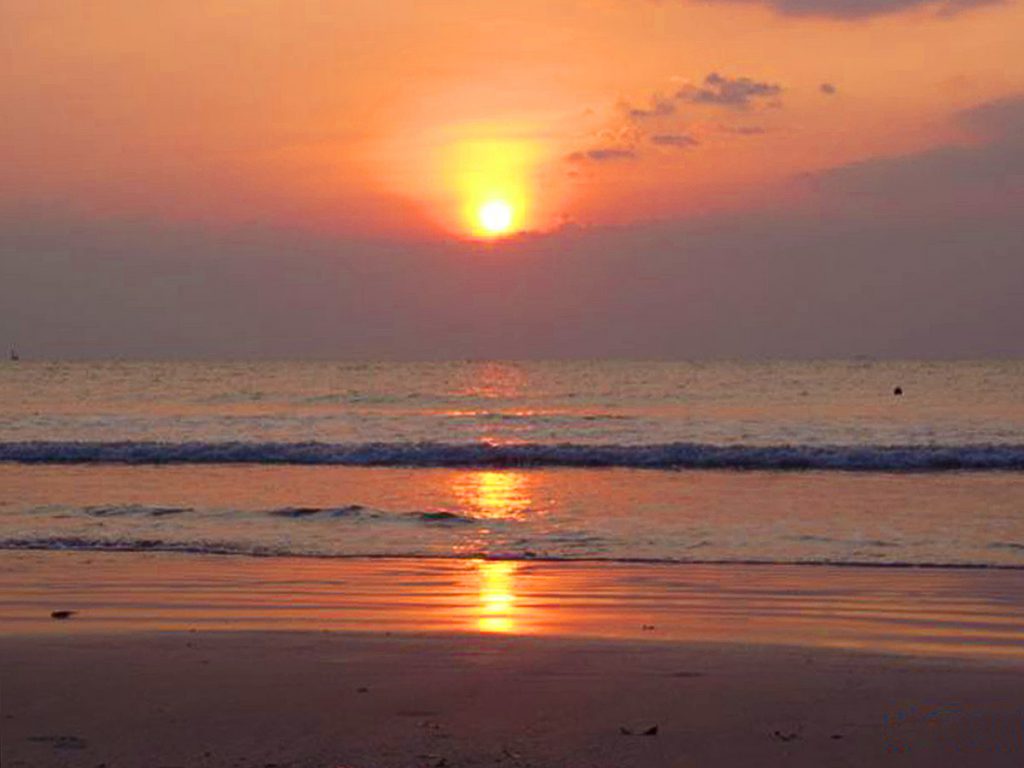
(1001, 120)
(860, 9)
(601, 154)
(775, 283)
(681, 140)
(827, 88)
(735, 92)
(982, 176)
(659, 108)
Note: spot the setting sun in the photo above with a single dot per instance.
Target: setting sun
(495, 217)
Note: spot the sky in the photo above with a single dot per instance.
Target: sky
(391, 179)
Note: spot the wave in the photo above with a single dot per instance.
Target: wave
(124, 510)
(86, 544)
(864, 458)
(358, 511)
(349, 510)
(352, 512)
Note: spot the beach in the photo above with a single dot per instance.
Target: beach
(315, 699)
(223, 661)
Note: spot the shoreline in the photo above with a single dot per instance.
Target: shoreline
(212, 550)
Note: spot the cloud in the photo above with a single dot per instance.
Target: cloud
(660, 107)
(659, 124)
(860, 9)
(744, 130)
(735, 92)
(681, 140)
(999, 120)
(827, 88)
(603, 154)
(985, 175)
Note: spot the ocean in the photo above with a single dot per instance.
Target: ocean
(705, 462)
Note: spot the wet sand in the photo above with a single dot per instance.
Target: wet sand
(943, 612)
(211, 661)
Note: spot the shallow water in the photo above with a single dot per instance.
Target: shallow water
(609, 514)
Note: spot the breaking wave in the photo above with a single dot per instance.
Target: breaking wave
(864, 458)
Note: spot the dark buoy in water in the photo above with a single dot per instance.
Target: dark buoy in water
(898, 391)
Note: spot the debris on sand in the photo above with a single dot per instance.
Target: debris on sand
(435, 761)
(651, 730)
(60, 742)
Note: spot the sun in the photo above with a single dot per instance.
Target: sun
(491, 182)
(495, 217)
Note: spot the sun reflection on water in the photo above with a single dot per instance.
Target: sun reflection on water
(497, 610)
(496, 494)
(491, 381)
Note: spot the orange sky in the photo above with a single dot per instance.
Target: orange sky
(402, 118)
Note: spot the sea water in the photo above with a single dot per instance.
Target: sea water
(766, 462)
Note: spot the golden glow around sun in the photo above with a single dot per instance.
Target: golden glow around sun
(492, 182)
(495, 216)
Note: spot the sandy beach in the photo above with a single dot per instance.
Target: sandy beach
(439, 671)
(316, 699)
